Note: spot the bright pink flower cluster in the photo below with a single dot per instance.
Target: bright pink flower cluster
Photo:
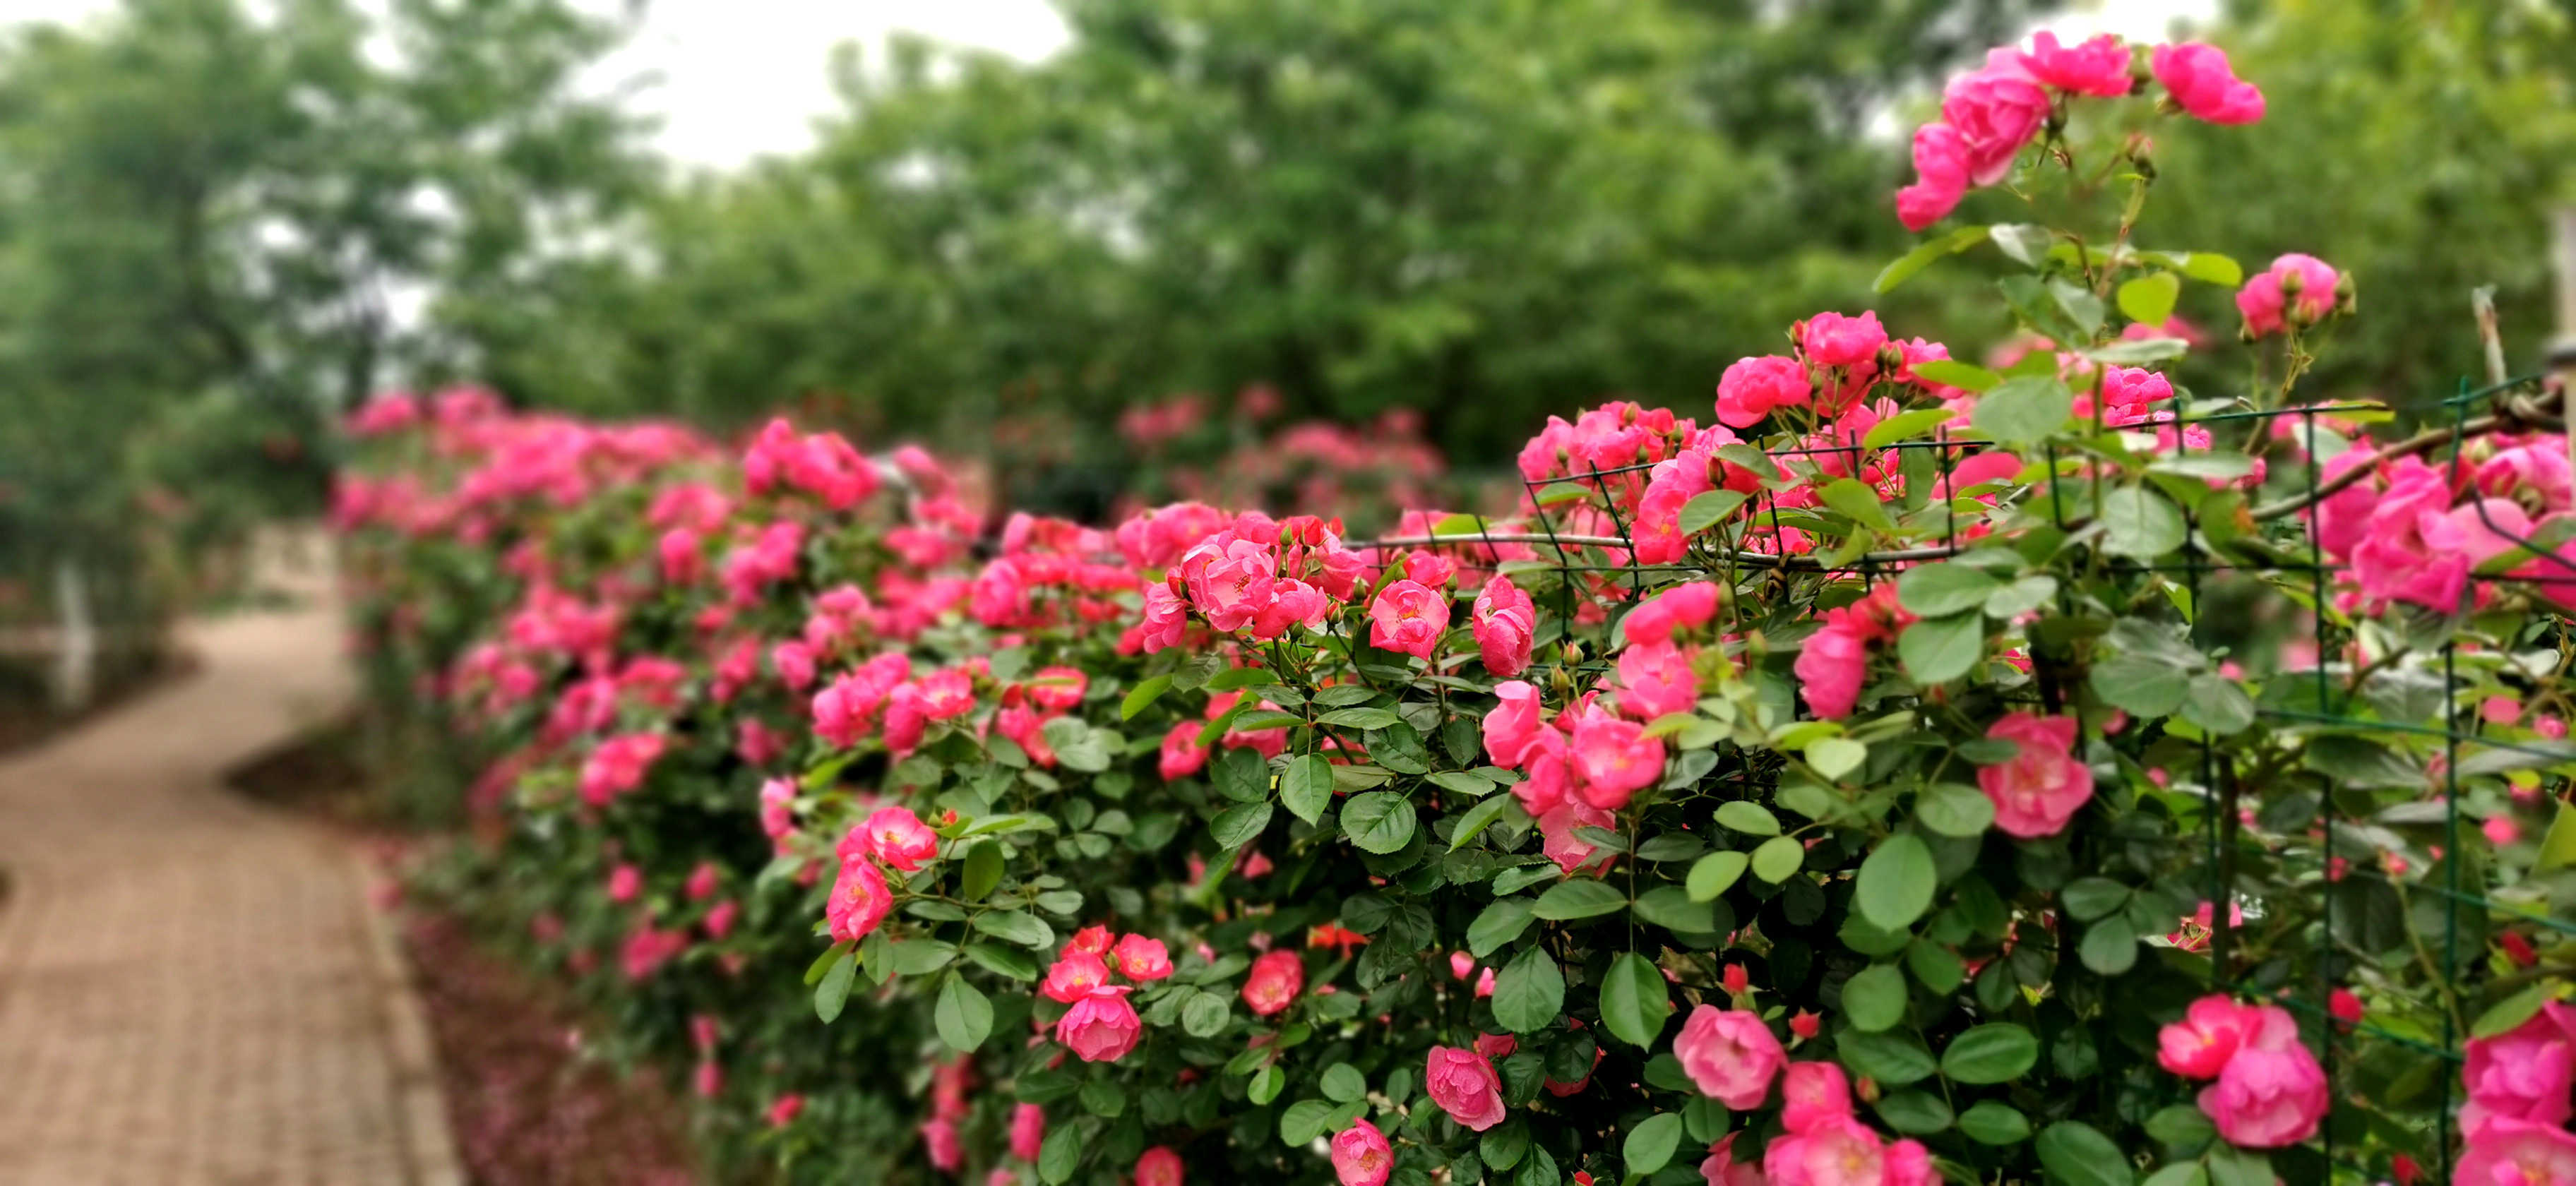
(1826, 1145)
(1101, 1026)
(2269, 1091)
(821, 464)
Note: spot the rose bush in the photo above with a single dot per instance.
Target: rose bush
(1835, 792)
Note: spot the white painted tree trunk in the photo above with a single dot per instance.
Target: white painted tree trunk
(76, 652)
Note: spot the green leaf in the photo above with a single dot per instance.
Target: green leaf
(1748, 817)
(1143, 695)
(1581, 897)
(2021, 597)
(1634, 1000)
(2089, 898)
(1304, 1121)
(1938, 650)
(2186, 1173)
(1002, 961)
(1874, 998)
(1240, 824)
(1359, 718)
(1378, 821)
(1481, 817)
(1265, 1085)
(1951, 809)
(1344, 1083)
(1905, 266)
(2026, 243)
(963, 1016)
(1905, 426)
(2209, 267)
(1061, 1154)
(834, 991)
(2232, 1166)
(1896, 882)
(1529, 993)
(2506, 1015)
(2218, 704)
(1714, 873)
(1914, 1112)
(1965, 376)
(1778, 857)
(1949, 587)
(983, 871)
(2137, 351)
(2558, 844)
(2078, 1154)
(1241, 775)
(1204, 1015)
(2149, 299)
(1399, 747)
(2139, 523)
(1992, 1053)
(1670, 907)
(1650, 1145)
(1502, 1145)
(2019, 411)
(1708, 510)
(1858, 503)
(2110, 946)
(1306, 786)
(1834, 757)
(1894, 1059)
(916, 957)
(1992, 1122)
(1013, 926)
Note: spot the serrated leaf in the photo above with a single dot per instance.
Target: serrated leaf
(1834, 757)
(1938, 650)
(2019, 411)
(1992, 1053)
(2139, 523)
(982, 871)
(2149, 299)
(1240, 824)
(1748, 817)
(1306, 786)
(1951, 809)
(1708, 510)
(1378, 821)
(1582, 897)
(1905, 266)
(2079, 1155)
(963, 1016)
(1650, 1145)
(1529, 993)
(1874, 998)
(1896, 882)
(1143, 695)
(834, 991)
(1778, 858)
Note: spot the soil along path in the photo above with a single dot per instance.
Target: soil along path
(193, 988)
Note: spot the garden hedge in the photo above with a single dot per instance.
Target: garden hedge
(2004, 773)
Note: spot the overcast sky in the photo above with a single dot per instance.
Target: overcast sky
(744, 77)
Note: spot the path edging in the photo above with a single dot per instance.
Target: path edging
(420, 1105)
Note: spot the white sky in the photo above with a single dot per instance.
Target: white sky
(740, 78)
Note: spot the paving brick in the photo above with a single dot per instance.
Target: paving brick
(191, 990)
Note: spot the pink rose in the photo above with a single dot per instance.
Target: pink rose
(2202, 83)
(899, 838)
(1409, 617)
(1721, 1168)
(1074, 975)
(939, 1139)
(1996, 111)
(1505, 619)
(2210, 1032)
(2524, 1073)
(1836, 1151)
(1513, 725)
(1292, 603)
(1731, 1055)
(2097, 66)
(1655, 679)
(783, 1110)
(2509, 1152)
(1681, 607)
(1101, 1027)
(1614, 759)
(1907, 1163)
(1167, 618)
(707, 1080)
(1465, 1086)
(1833, 340)
(1752, 387)
(859, 901)
(1548, 771)
(1182, 756)
(1832, 665)
(1028, 1131)
(2296, 291)
(1158, 1166)
(624, 882)
(1141, 958)
(1557, 838)
(2272, 1093)
(1361, 1156)
(1274, 982)
(720, 918)
(1941, 177)
(1813, 1092)
(2043, 786)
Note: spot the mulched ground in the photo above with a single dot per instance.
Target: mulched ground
(526, 1106)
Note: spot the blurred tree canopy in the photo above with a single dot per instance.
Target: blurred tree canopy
(1484, 209)
(211, 224)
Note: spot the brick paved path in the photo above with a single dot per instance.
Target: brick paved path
(192, 989)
